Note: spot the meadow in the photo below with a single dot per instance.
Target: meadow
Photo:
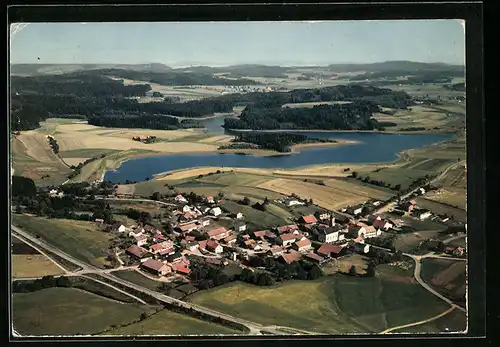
(79, 239)
(33, 265)
(455, 321)
(333, 304)
(136, 278)
(446, 276)
(68, 311)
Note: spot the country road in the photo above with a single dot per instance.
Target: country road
(420, 322)
(254, 328)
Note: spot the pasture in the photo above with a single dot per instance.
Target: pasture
(446, 276)
(33, 265)
(136, 278)
(335, 304)
(334, 195)
(68, 311)
(82, 240)
(257, 219)
(166, 322)
(420, 116)
(441, 209)
(455, 321)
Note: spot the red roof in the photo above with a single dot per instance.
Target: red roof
(285, 228)
(212, 244)
(139, 252)
(270, 234)
(291, 257)
(187, 227)
(203, 244)
(261, 233)
(153, 264)
(287, 237)
(327, 249)
(303, 243)
(379, 223)
(149, 228)
(413, 202)
(309, 219)
(167, 251)
(160, 237)
(140, 237)
(157, 247)
(314, 256)
(230, 238)
(276, 249)
(181, 267)
(215, 232)
(190, 238)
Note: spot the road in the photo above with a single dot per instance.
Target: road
(135, 199)
(454, 238)
(420, 322)
(416, 274)
(254, 328)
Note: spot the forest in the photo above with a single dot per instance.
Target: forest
(280, 142)
(353, 116)
(146, 121)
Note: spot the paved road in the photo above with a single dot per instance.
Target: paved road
(420, 322)
(255, 328)
(99, 197)
(454, 238)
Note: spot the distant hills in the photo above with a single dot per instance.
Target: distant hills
(235, 71)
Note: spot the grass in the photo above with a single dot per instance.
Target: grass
(407, 242)
(446, 276)
(87, 152)
(439, 208)
(255, 218)
(455, 321)
(80, 239)
(67, 311)
(333, 304)
(170, 323)
(136, 278)
(34, 265)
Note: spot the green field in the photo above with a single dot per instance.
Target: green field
(255, 218)
(80, 239)
(407, 242)
(455, 321)
(66, 311)
(446, 276)
(170, 323)
(137, 278)
(333, 304)
(439, 208)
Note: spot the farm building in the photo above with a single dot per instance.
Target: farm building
(138, 252)
(291, 257)
(218, 233)
(216, 211)
(180, 198)
(156, 267)
(329, 250)
(308, 219)
(141, 240)
(302, 245)
(214, 246)
(276, 251)
(286, 239)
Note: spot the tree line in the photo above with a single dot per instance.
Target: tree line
(280, 142)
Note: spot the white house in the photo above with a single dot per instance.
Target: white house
(425, 215)
(186, 208)
(241, 227)
(239, 215)
(371, 231)
(180, 198)
(136, 232)
(141, 240)
(286, 239)
(328, 235)
(357, 211)
(216, 211)
(376, 203)
(53, 192)
(205, 222)
(422, 191)
(120, 228)
(214, 246)
(210, 200)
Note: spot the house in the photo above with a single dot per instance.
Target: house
(119, 227)
(329, 250)
(141, 240)
(159, 238)
(238, 215)
(421, 190)
(181, 268)
(216, 211)
(156, 248)
(322, 215)
(138, 252)
(188, 216)
(308, 219)
(180, 198)
(371, 231)
(423, 214)
(459, 251)
(275, 251)
(214, 246)
(99, 220)
(291, 257)
(210, 200)
(53, 192)
(230, 240)
(173, 258)
(314, 258)
(156, 267)
(330, 234)
(204, 222)
(270, 235)
(291, 202)
(186, 228)
(302, 245)
(355, 231)
(202, 244)
(136, 231)
(218, 233)
(167, 251)
(214, 261)
(357, 211)
(150, 229)
(245, 237)
(287, 228)
(192, 246)
(376, 203)
(382, 224)
(286, 239)
(408, 206)
(251, 244)
(240, 226)
(186, 208)
(360, 247)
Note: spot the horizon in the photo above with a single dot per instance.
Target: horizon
(216, 44)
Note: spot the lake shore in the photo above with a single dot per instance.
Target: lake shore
(392, 132)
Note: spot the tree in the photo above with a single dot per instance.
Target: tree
(354, 174)
(246, 201)
(302, 274)
(246, 275)
(63, 281)
(370, 270)
(311, 201)
(143, 316)
(156, 196)
(397, 187)
(352, 271)
(23, 186)
(315, 272)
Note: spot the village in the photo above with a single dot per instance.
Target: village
(205, 232)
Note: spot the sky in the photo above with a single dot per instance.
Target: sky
(180, 44)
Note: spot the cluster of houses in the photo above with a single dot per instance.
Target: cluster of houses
(410, 208)
(197, 231)
(147, 139)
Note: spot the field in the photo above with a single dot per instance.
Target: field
(409, 241)
(335, 304)
(33, 265)
(256, 219)
(334, 195)
(452, 188)
(137, 278)
(67, 311)
(78, 238)
(170, 323)
(446, 276)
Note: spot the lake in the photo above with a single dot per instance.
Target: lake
(373, 148)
